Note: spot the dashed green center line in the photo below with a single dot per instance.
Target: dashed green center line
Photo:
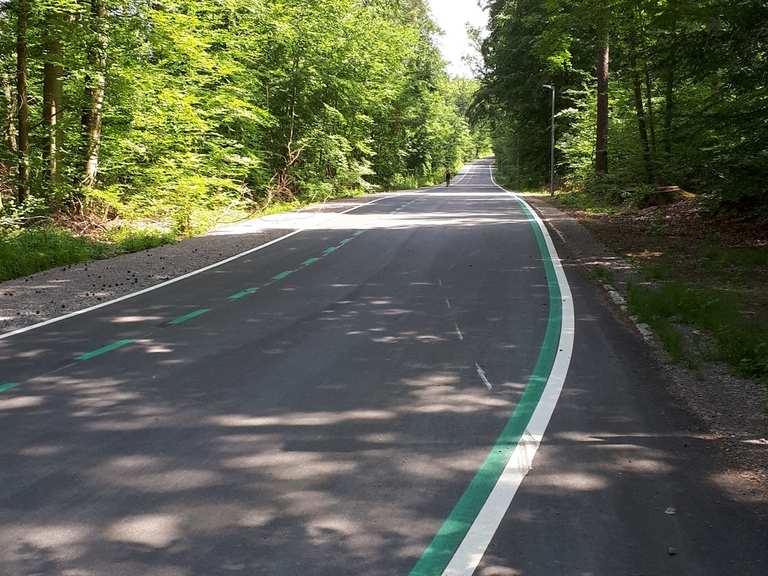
(310, 261)
(105, 349)
(243, 293)
(282, 275)
(7, 387)
(359, 233)
(188, 317)
(330, 250)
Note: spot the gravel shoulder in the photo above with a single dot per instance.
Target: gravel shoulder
(731, 410)
(59, 291)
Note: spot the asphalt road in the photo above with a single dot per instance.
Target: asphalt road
(362, 398)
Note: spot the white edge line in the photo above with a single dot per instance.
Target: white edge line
(467, 172)
(185, 276)
(475, 543)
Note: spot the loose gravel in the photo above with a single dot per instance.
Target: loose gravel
(53, 293)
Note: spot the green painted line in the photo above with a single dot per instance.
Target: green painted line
(345, 242)
(359, 233)
(447, 540)
(7, 387)
(282, 275)
(105, 349)
(330, 250)
(310, 261)
(243, 293)
(188, 317)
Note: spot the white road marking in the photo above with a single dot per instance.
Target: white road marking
(458, 331)
(484, 378)
(468, 169)
(475, 543)
(448, 303)
(185, 276)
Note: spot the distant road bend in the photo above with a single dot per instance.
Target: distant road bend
(363, 397)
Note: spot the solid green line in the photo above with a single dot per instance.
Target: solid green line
(243, 293)
(310, 261)
(447, 540)
(330, 250)
(282, 275)
(188, 317)
(105, 349)
(8, 386)
(359, 232)
(345, 242)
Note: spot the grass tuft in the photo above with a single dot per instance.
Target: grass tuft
(741, 343)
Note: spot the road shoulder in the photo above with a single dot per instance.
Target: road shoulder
(729, 407)
(60, 291)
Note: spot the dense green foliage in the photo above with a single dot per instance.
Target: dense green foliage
(209, 103)
(688, 94)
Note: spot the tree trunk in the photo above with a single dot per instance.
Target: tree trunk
(9, 128)
(669, 104)
(649, 108)
(603, 59)
(22, 104)
(642, 124)
(669, 89)
(9, 121)
(94, 92)
(53, 96)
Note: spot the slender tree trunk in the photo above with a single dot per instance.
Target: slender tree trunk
(603, 59)
(669, 88)
(642, 124)
(9, 121)
(9, 128)
(94, 91)
(669, 104)
(53, 96)
(650, 109)
(22, 105)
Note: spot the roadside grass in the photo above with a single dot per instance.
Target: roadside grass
(741, 342)
(716, 256)
(588, 203)
(26, 251)
(31, 250)
(603, 274)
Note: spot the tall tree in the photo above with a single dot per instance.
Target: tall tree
(95, 87)
(53, 96)
(642, 121)
(603, 63)
(22, 106)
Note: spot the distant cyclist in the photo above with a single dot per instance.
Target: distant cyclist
(448, 177)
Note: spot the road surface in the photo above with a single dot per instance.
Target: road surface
(364, 397)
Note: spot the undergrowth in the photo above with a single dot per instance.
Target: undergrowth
(741, 342)
(30, 250)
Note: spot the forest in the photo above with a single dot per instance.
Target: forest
(649, 94)
(170, 113)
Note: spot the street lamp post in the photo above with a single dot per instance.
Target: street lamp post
(552, 144)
